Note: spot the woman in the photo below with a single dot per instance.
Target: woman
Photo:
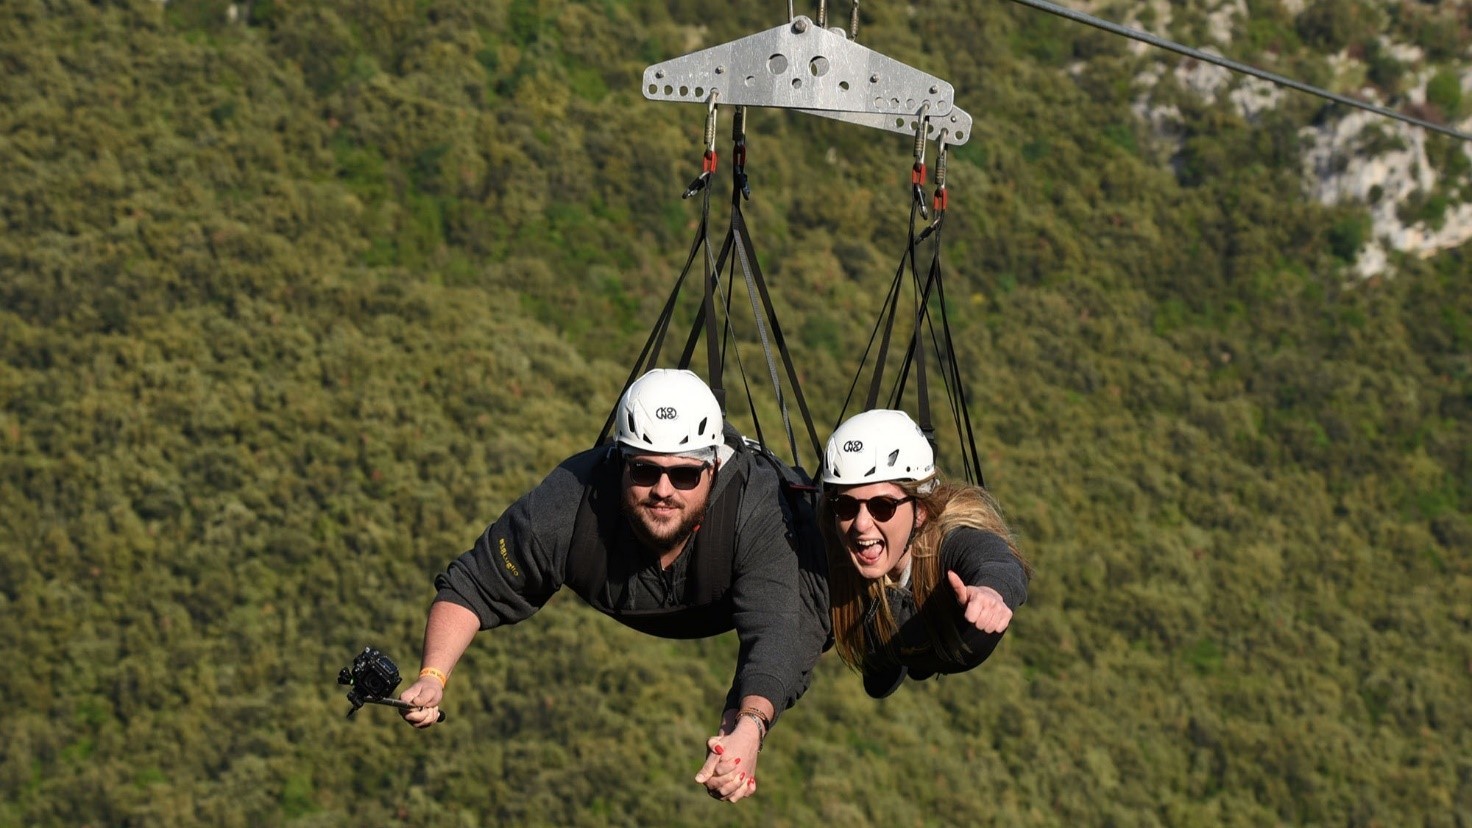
(924, 574)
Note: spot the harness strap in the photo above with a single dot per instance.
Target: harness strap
(601, 524)
(649, 355)
(754, 275)
(914, 351)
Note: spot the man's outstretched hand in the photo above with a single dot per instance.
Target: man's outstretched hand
(729, 772)
(425, 694)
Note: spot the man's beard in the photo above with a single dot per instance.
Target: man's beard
(662, 537)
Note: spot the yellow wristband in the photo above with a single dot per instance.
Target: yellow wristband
(430, 671)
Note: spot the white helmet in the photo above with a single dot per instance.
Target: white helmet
(669, 411)
(876, 447)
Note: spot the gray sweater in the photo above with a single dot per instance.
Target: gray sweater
(777, 597)
(980, 558)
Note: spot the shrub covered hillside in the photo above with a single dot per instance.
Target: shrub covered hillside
(296, 297)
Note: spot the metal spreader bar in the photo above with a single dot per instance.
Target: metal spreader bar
(954, 127)
(801, 65)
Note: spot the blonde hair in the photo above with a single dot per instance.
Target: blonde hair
(948, 506)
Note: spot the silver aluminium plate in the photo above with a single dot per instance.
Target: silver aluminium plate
(800, 66)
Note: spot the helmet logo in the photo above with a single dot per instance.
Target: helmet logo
(853, 445)
(666, 413)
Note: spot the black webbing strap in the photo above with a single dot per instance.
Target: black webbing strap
(922, 388)
(957, 388)
(914, 352)
(746, 253)
(698, 327)
(649, 355)
(708, 310)
(951, 373)
(907, 264)
(737, 240)
(889, 303)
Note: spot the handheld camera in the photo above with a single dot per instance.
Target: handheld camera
(373, 677)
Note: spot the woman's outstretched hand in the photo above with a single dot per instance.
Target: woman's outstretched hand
(982, 606)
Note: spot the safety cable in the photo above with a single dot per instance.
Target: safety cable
(1236, 66)
(728, 335)
(718, 266)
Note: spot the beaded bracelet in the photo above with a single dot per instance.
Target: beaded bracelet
(761, 724)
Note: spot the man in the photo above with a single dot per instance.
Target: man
(676, 531)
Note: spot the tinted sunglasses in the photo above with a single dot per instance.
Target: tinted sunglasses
(684, 478)
(880, 508)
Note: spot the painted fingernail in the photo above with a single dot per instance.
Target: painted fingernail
(751, 781)
(738, 761)
(741, 775)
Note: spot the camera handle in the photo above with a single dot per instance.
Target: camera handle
(359, 701)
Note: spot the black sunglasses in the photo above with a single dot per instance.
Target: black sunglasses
(684, 478)
(880, 508)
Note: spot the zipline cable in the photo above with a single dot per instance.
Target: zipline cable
(1227, 63)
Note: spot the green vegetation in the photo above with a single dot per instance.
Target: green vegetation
(295, 297)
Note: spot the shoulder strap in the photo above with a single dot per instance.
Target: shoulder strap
(709, 577)
(587, 563)
(598, 516)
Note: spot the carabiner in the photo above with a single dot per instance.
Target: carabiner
(941, 197)
(917, 172)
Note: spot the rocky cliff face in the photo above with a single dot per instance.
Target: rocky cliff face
(1415, 206)
(1383, 164)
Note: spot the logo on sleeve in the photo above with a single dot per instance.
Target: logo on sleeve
(506, 558)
